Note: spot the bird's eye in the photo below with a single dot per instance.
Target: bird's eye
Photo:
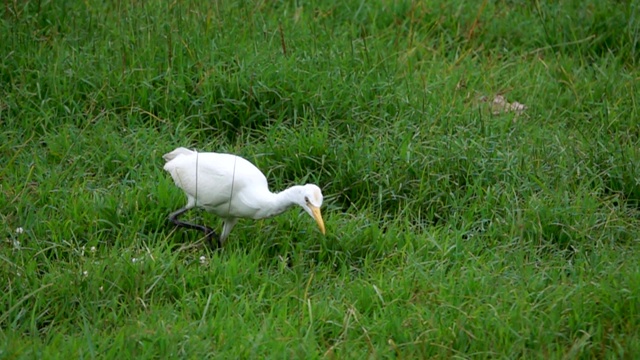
(306, 199)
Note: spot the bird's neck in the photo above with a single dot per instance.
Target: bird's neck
(282, 201)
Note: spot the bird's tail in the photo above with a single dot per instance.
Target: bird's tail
(179, 151)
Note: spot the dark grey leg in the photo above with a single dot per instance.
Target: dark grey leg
(208, 232)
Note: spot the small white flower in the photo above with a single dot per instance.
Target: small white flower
(19, 230)
(134, 260)
(203, 259)
(85, 273)
(93, 249)
(100, 288)
(16, 244)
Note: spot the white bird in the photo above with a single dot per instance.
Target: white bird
(231, 187)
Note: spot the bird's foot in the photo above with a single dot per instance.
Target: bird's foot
(211, 237)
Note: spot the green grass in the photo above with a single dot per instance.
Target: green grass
(452, 232)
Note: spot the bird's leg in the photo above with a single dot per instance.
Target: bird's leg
(208, 232)
(174, 219)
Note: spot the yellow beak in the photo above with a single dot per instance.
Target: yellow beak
(318, 216)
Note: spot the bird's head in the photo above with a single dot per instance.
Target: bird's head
(311, 201)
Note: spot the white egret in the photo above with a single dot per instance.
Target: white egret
(231, 187)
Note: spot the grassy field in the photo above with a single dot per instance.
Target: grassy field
(455, 228)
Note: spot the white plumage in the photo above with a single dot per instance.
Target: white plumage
(231, 187)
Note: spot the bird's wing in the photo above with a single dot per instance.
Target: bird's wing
(217, 175)
(175, 153)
